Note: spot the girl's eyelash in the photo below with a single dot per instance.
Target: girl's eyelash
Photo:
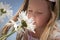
(39, 12)
(30, 10)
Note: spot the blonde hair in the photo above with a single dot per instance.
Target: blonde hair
(50, 24)
(49, 27)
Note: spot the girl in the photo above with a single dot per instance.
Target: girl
(44, 20)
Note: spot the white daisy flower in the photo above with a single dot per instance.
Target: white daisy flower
(26, 22)
(23, 16)
(16, 24)
(5, 10)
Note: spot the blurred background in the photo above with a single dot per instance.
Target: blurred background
(15, 5)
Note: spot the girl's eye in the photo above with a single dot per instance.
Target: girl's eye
(30, 10)
(39, 13)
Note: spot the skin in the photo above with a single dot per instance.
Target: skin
(39, 11)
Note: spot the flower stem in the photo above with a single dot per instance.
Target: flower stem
(5, 36)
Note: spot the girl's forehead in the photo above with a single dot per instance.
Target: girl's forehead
(38, 5)
(36, 1)
(33, 2)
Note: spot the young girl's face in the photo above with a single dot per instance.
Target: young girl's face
(40, 12)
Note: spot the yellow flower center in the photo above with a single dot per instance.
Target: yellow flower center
(24, 24)
(2, 11)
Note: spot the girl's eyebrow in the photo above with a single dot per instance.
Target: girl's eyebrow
(30, 10)
(39, 10)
